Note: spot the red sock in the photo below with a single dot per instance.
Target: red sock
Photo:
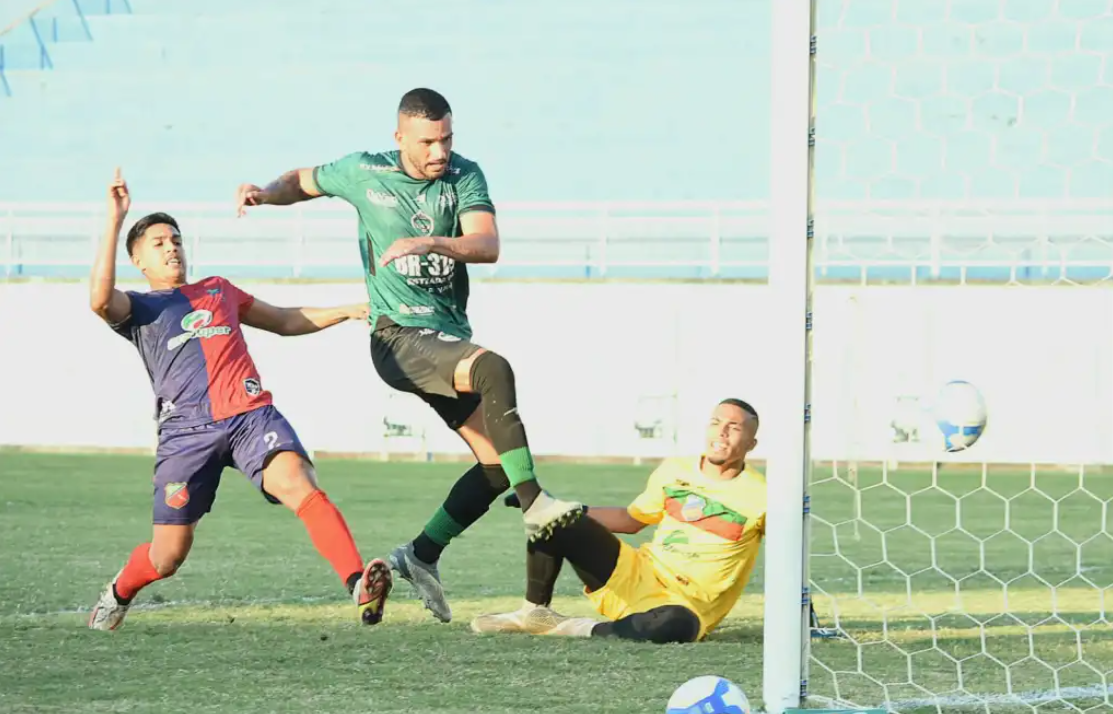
(137, 574)
(330, 535)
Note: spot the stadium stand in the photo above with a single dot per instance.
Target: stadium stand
(192, 97)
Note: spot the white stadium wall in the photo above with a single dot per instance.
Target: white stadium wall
(585, 353)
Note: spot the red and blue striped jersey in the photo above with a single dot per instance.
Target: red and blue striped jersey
(193, 347)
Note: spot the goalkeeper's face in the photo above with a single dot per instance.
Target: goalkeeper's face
(426, 145)
(731, 434)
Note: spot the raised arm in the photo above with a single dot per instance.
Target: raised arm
(291, 187)
(112, 305)
(292, 321)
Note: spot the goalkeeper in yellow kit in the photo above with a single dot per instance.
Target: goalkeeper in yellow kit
(710, 516)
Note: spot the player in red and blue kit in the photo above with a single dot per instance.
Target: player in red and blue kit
(212, 409)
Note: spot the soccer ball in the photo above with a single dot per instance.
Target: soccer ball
(708, 695)
(960, 415)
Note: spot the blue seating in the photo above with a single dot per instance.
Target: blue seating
(626, 100)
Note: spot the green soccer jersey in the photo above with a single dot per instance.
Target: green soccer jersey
(418, 291)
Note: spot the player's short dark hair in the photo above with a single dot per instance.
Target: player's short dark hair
(141, 226)
(744, 406)
(424, 104)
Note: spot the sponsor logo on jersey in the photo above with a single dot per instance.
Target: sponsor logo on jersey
(176, 495)
(380, 168)
(677, 542)
(382, 198)
(692, 510)
(705, 513)
(675, 538)
(252, 387)
(430, 268)
(404, 309)
(448, 199)
(422, 223)
(165, 410)
(196, 325)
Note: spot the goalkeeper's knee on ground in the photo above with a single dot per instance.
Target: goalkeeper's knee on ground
(662, 625)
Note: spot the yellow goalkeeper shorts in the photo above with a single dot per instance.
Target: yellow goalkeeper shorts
(634, 587)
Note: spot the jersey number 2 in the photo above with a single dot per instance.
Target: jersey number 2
(270, 439)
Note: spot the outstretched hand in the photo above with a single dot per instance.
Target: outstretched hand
(359, 311)
(248, 194)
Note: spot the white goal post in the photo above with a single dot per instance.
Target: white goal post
(785, 423)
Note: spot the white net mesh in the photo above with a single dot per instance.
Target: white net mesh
(964, 185)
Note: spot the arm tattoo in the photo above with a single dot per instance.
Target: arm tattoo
(285, 189)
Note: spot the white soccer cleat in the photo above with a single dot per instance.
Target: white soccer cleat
(108, 613)
(425, 579)
(546, 514)
(533, 619)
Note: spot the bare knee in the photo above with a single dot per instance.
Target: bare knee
(168, 563)
(170, 547)
(289, 478)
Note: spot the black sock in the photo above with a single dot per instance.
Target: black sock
(119, 599)
(661, 625)
(542, 570)
(590, 548)
(471, 497)
(426, 549)
(527, 492)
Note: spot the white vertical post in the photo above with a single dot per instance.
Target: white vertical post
(10, 262)
(787, 427)
(192, 265)
(716, 239)
(604, 229)
(299, 240)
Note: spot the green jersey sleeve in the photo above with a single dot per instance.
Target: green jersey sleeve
(472, 191)
(339, 177)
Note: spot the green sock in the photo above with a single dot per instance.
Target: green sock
(442, 528)
(518, 465)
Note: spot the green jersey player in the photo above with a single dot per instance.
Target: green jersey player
(424, 214)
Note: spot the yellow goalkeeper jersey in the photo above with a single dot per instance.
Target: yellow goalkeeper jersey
(708, 532)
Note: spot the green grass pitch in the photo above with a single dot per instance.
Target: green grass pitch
(257, 622)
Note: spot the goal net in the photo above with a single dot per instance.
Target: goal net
(963, 184)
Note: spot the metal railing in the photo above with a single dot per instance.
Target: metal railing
(898, 241)
(4, 86)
